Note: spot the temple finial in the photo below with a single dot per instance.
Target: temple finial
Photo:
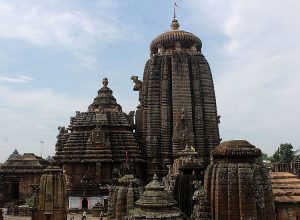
(175, 25)
(105, 82)
(175, 5)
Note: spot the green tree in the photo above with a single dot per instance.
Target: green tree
(284, 154)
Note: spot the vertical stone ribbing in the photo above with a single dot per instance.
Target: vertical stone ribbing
(181, 96)
(210, 106)
(236, 185)
(198, 117)
(166, 113)
(153, 154)
(178, 103)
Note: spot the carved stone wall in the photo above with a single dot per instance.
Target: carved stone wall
(236, 186)
(52, 202)
(97, 141)
(177, 101)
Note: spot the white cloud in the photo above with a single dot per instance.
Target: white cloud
(43, 26)
(258, 87)
(18, 79)
(30, 116)
(55, 24)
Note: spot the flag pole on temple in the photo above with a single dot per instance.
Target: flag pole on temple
(175, 5)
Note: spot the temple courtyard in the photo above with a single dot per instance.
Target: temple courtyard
(76, 217)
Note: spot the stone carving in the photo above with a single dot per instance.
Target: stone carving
(52, 196)
(174, 79)
(236, 185)
(156, 203)
(201, 209)
(98, 135)
(138, 83)
(123, 196)
(181, 131)
(97, 141)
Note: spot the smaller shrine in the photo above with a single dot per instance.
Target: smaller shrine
(51, 204)
(17, 174)
(156, 203)
(237, 186)
(184, 157)
(123, 196)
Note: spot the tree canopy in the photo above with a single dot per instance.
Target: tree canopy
(284, 154)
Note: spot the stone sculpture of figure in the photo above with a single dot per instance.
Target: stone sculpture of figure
(181, 130)
(160, 50)
(194, 49)
(98, 135)
(138, 83)
(178, 47)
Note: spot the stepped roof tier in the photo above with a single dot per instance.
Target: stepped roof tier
(98, 141)
(286, 187)
(102, 134)
(26, 163)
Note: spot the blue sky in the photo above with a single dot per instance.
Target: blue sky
(55, 53)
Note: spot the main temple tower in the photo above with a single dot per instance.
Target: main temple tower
(177, 101)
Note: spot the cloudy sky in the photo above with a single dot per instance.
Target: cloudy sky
(55, 53)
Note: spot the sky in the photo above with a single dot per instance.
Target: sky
(54, 55)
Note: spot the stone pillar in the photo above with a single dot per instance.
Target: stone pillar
(130, 199)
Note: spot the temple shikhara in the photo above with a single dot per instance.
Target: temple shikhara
(177, 101)
(164, 160)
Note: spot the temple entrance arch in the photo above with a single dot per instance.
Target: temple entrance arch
(85, 203)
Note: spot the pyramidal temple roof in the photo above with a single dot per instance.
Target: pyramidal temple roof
(26, 163)
(105, 101)
(102, 134)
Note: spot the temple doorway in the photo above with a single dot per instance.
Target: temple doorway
(15, 188)
(85, 203)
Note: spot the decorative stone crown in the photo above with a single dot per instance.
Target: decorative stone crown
(105, 99)
(236, 149)
(171, 38)
(155, 196)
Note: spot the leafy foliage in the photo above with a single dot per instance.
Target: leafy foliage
(29, 201)
(284, 154)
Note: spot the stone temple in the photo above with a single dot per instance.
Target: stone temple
(97, 142)
(177, 101)
(105, 157)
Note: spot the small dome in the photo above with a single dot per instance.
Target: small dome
(170, 38)
(236, 149)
